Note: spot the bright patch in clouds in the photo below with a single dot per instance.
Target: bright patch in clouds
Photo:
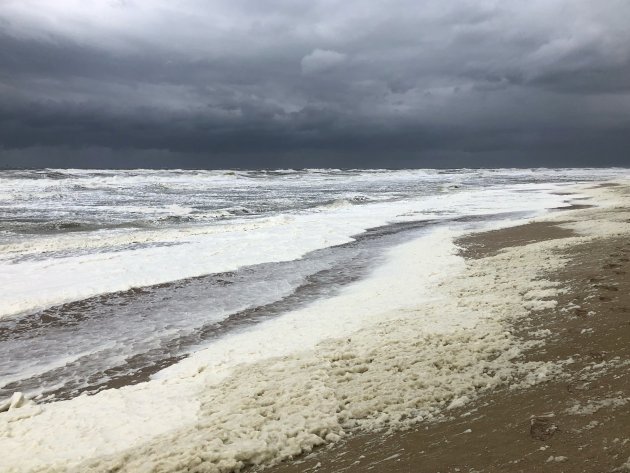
(321, 60)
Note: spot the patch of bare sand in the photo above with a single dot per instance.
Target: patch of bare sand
(576, 422)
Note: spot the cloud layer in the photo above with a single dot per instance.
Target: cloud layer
(278, 82)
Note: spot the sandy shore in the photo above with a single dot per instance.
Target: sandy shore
(575, 421)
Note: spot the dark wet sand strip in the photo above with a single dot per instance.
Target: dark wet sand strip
(528, 430)
(572, 207)
(481, 245)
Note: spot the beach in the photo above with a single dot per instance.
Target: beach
(574, 421)
(475, 345)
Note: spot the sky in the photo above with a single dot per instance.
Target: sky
(318, 83)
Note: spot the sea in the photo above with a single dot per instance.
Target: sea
(108, 277)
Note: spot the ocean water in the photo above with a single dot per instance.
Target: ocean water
(107, 277)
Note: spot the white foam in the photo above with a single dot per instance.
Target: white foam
(593, 406)
(91, 426)
(195, 251)
(112, 421)
(393, 349)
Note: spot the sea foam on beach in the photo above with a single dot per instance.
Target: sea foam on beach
(389, 351)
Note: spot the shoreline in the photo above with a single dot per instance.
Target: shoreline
(138, 368)
(292, 404)
(577, 420)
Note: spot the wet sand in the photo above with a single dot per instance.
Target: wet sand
(578, 421)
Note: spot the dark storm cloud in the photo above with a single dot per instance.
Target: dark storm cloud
(267, 83)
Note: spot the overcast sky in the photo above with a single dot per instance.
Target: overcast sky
(288, 83)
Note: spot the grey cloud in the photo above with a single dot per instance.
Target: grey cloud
(272, 79)
(321, 60)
